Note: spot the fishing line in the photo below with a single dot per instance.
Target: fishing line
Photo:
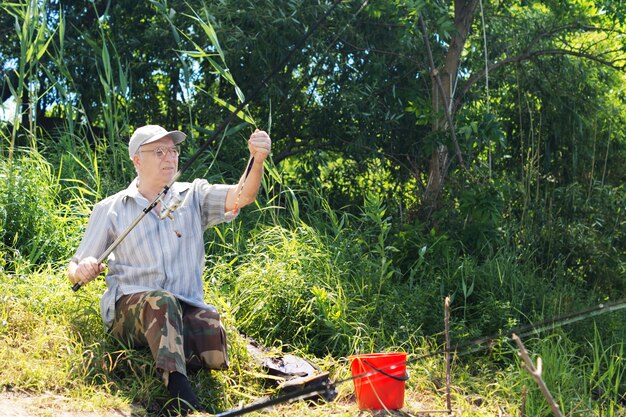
(476, 345)
(545, 325)
(216, 132)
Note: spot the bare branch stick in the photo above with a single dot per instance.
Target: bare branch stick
(447, 333)
(535, 372)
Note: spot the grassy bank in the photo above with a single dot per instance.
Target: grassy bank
(325, 292)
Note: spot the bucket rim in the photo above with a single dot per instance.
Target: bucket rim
(376, 355)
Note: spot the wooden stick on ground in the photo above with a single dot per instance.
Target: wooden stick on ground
(535, 372)
(447, 331)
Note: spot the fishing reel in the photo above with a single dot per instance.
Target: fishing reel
(168, 209)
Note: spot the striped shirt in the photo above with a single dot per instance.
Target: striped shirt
(157, 254)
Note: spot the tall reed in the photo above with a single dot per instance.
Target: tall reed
(34, 34)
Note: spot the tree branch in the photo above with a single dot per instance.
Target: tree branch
(536, 374)
(530, 55)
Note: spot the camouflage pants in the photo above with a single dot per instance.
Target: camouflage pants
(178, 335)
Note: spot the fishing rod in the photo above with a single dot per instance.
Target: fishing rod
(212, 138)
(327, 389)
(544, 325)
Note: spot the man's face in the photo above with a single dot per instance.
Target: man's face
(157, 162)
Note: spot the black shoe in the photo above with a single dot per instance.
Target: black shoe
(183, 401)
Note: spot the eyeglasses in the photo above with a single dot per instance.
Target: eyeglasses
(162, 152)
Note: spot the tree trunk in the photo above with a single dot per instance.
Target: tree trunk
(443, 81)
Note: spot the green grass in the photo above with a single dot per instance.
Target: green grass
(51, 340)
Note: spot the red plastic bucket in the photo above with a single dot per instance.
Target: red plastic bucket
(379, 380)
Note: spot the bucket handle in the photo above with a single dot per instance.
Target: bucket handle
(402, 378)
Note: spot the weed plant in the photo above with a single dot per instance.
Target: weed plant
(331, 293)
(326, 292)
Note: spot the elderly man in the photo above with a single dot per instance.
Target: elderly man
(154, 293)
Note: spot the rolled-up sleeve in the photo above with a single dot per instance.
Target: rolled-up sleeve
(213, 203)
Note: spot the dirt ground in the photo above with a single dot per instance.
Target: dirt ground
(49, 405)
(16, 404)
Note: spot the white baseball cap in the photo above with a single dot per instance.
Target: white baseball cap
(150, 133)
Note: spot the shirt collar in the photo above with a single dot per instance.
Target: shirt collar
(133, 192)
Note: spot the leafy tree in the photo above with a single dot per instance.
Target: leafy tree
(367, 91)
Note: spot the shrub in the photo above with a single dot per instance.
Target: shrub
(35, 223)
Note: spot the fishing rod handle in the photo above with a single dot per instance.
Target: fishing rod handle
(101, 259)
